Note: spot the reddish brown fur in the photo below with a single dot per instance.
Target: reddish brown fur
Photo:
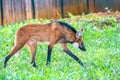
(43, 32)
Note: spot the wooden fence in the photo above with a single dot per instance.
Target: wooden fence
(12, 11)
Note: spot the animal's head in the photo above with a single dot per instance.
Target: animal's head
(79, 42)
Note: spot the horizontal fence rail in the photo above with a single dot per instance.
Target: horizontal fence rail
(12, 11)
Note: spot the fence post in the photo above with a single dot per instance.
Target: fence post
(33, 7)
(1, 14)
(62, 8)
(87, 4)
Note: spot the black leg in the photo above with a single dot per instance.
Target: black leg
(74, 57)
(6, 60)
(14, 50)
(34, 64)
(49, 55)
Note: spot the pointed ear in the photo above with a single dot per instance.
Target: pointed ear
(79, 33)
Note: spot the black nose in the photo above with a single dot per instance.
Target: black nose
(82, 48)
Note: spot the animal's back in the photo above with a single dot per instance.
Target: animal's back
(45, 32)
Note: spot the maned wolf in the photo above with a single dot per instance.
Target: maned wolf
(55, 32)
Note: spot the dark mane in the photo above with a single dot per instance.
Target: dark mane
(67, 26)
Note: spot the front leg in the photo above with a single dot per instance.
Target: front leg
(49, 55)
(66, 50)
(54, 39)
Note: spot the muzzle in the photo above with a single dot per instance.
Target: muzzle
(82, 47)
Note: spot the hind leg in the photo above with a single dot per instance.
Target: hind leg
(33, 47)
(15, 49)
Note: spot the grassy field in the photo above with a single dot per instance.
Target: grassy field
(102, 58)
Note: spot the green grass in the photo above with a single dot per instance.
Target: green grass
(102, 58)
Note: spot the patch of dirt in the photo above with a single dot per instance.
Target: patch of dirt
(107, 14)
(99, 19)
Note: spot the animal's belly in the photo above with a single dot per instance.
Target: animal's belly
(40, 38)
